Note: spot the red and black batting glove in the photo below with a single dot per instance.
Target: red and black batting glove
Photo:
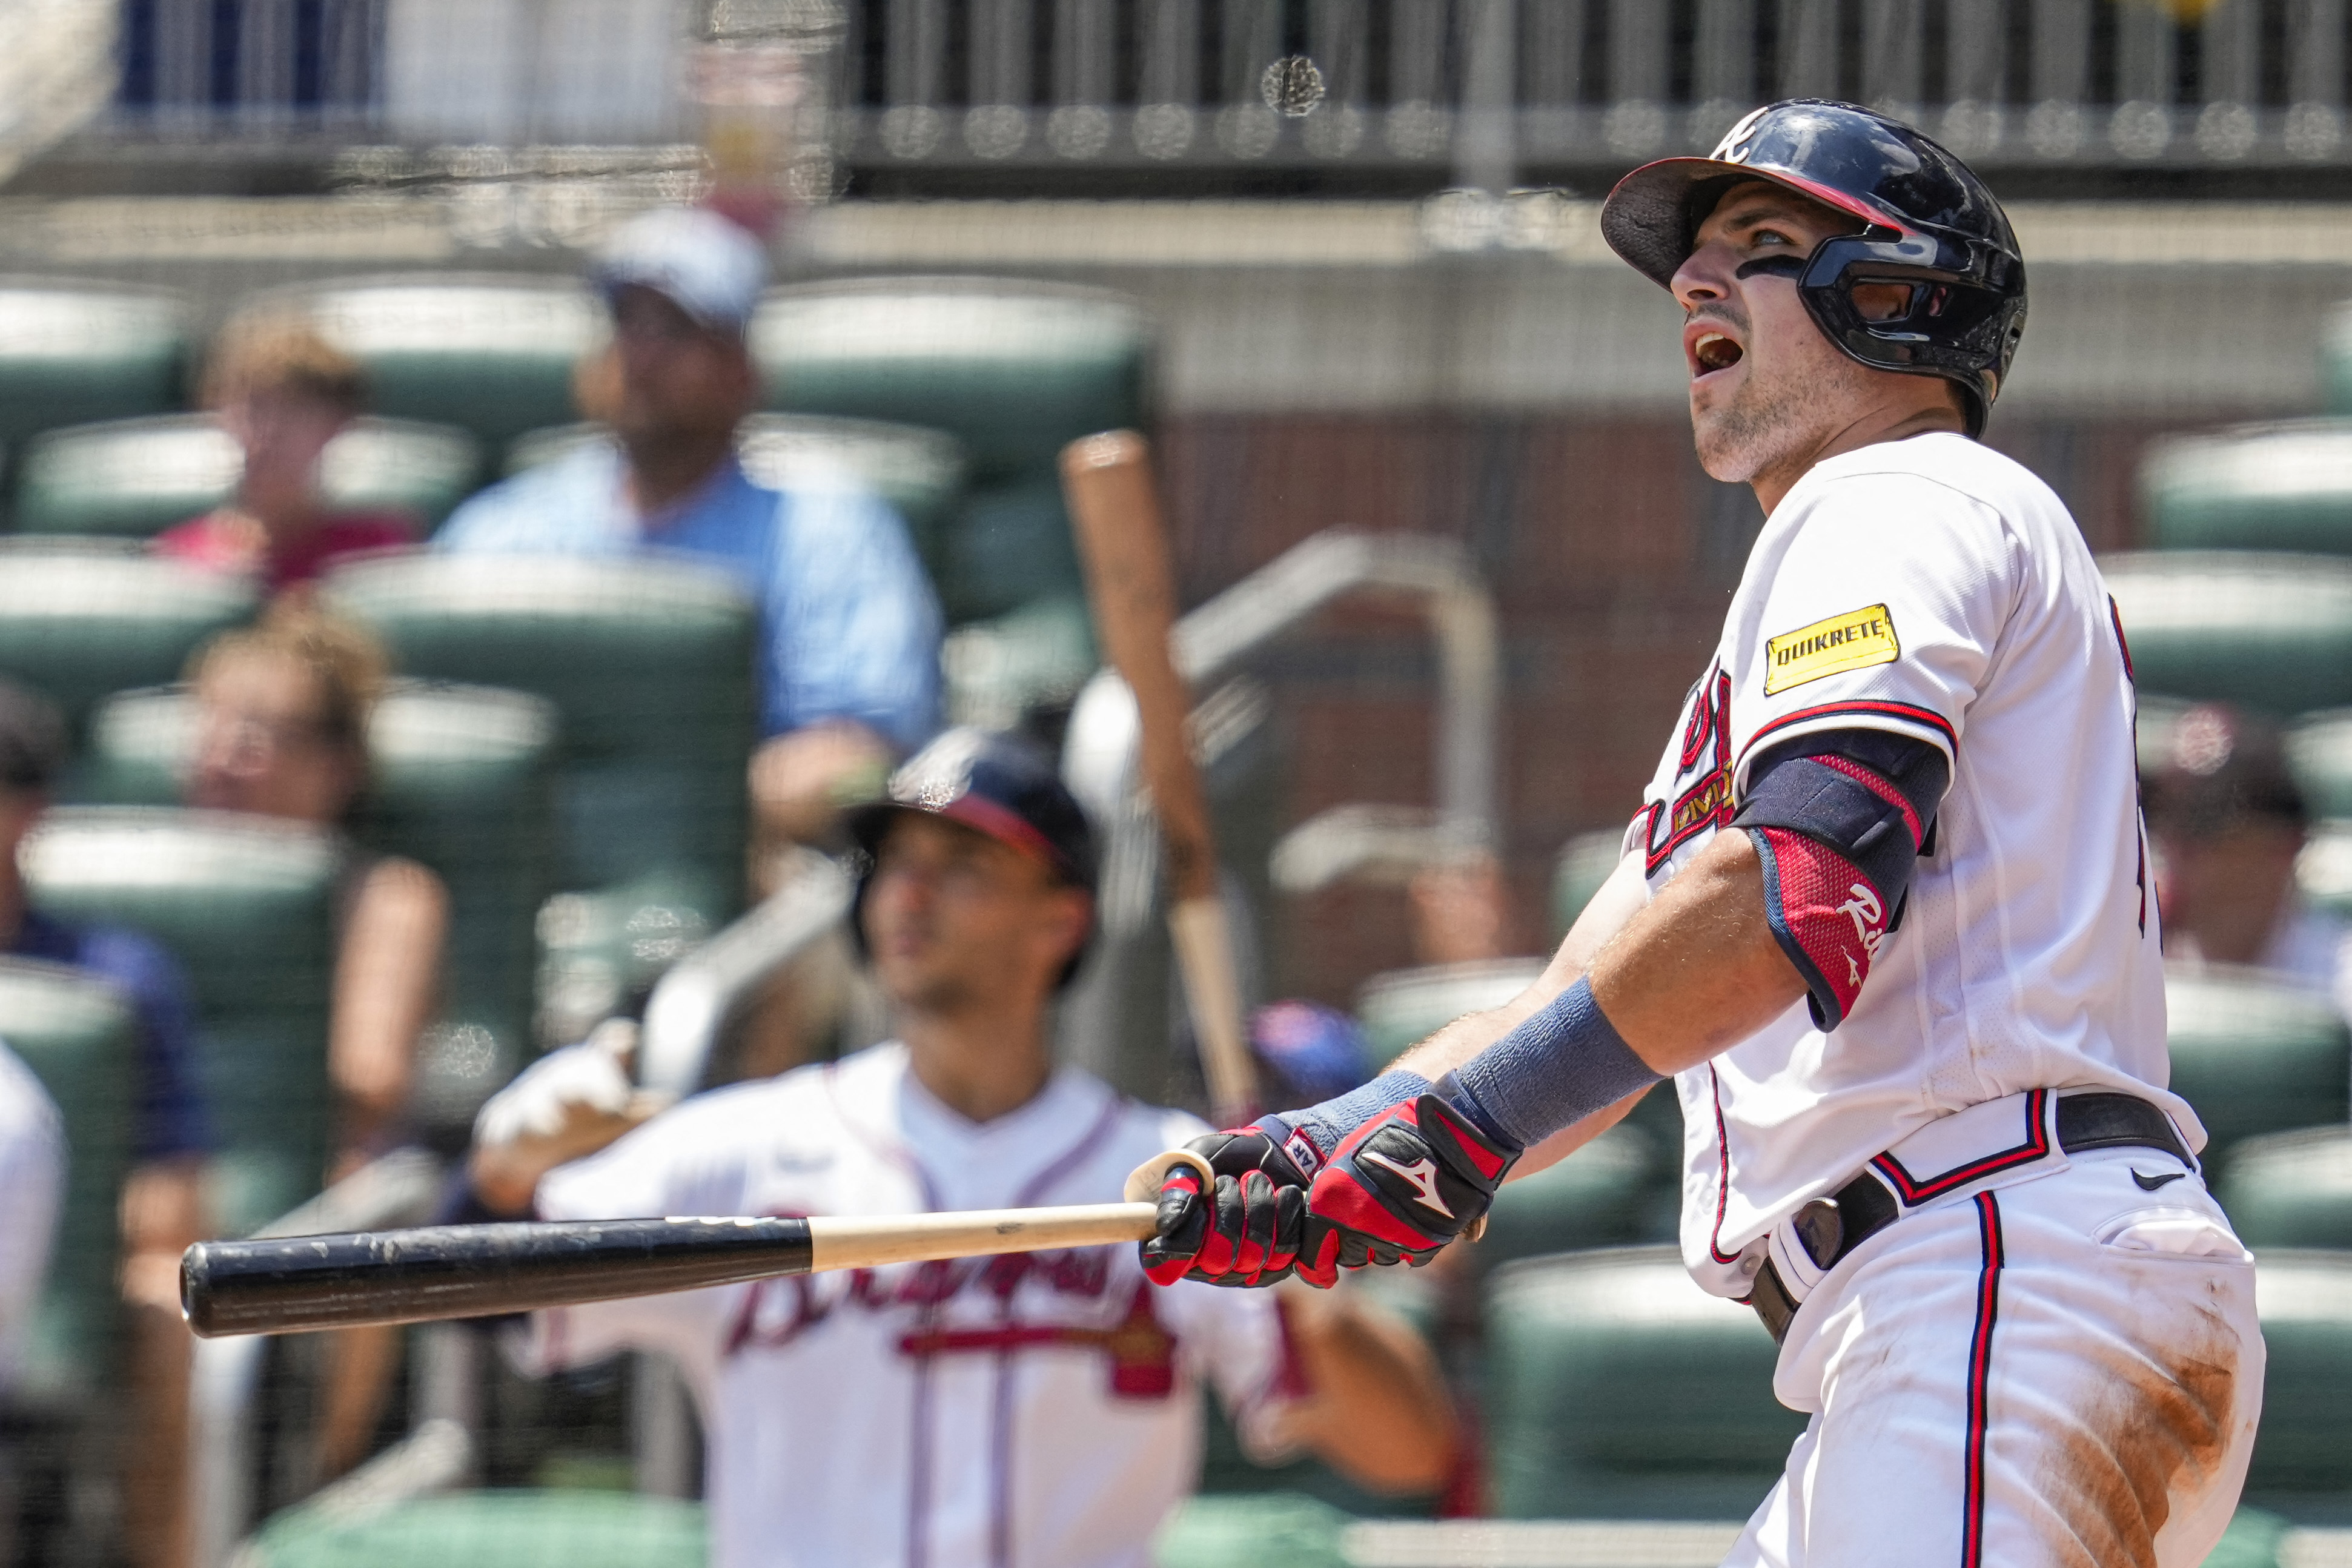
(1245, 1232)
(1398, 1189)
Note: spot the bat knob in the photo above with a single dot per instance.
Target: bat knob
(1143, 1183)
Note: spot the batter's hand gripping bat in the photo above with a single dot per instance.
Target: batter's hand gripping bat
(1107, 482)
(293, 1283)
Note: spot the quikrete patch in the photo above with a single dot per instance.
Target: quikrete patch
(1854, 641)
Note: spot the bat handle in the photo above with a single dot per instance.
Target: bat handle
(1143, 1183)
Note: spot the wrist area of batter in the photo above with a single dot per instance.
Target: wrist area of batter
(1309, 1136)
(1553, 1071)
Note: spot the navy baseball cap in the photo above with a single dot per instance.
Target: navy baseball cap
(995, 784)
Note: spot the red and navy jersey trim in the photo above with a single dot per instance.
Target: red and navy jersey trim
(1914, 1191)
(1909, 713)
(1972, 1519)
(1722, 1174)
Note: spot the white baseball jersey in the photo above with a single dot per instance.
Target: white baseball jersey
(1040, 1410)
(1936, 589)
(32, 1176)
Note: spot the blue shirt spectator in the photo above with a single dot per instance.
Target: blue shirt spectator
(173, 1121)
(849, 668)
(849, 627)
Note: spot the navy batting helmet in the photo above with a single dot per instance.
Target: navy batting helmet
(1931, 224)
(993, 783)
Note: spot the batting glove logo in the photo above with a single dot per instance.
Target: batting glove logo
(1422, 1174)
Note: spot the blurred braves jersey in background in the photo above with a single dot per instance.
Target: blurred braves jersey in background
(1936, 589)
(1038, 1408)
(32, 1176)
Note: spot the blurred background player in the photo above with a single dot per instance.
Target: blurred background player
(1041, 1409)
(849, 664)
(282, 715)
(162, 1198)
(282, 393)
(2228, 820)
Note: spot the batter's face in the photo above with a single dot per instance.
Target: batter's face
(956, 920)
(1767, 390)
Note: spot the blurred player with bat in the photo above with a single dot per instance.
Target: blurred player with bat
(1040, 1407)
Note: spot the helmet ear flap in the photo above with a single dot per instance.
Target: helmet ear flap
(1955, 325)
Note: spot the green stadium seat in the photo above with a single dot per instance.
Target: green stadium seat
(2319, 752)
(1016, 371)
(1015, 368)
(1585, 862)
(78, 621)
(501, 1529)
(2253, 1056)
(1618, 1389)
(1598, 1196)
(493, 353)
(247, 905)
(2336, 361)
(71, 351)
(2302, 1465)
(1262, 1530)
(1405, 1005)
(650, 665)
(460, 781)
(135, 478)
(2269, 632)
(2323, 871)
(80, 1039)
(2292, 1190)
(919, 472)
(2281, 487)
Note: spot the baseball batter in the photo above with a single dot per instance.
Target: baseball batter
(1883, 916)
(1039, 1409)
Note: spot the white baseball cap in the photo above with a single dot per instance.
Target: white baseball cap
(707, 265)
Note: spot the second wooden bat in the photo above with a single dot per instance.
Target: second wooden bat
(1115, 503)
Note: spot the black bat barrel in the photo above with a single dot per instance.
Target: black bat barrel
(287, 1284)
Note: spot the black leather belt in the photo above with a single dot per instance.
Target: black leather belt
(1830, 1228)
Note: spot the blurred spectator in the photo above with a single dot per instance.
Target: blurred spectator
(283, 392)
(283, 712)
(849, 664)
(1312, 1052)
(2228, 820)
(282, 715)
(162, 1207)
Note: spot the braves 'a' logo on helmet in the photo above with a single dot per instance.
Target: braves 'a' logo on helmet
(1736, 142)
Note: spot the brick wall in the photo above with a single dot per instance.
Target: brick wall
(1612, 557)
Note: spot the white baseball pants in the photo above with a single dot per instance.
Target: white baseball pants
(2065, 1369)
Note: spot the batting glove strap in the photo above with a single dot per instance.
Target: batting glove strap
(1245, 1229)
(1398, 1188)
(1310, 1136)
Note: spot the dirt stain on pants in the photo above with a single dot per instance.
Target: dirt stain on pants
(2159, 1428)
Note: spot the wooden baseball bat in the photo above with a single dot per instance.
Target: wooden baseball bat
(1115, 503)
(296, 1283)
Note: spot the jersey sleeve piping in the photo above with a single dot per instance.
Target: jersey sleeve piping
(1903, 718)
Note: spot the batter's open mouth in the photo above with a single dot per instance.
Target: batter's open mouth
(1714, 351)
